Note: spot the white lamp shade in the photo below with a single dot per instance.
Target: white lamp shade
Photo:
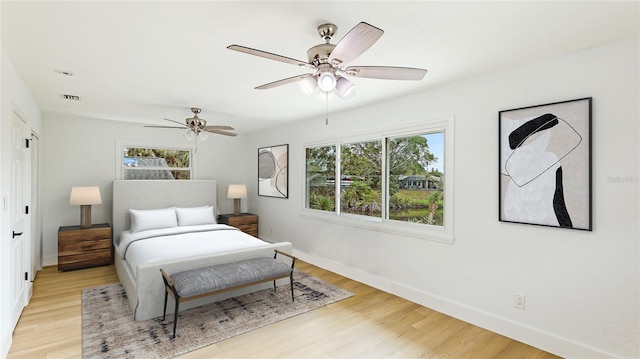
(189, 135)
(85, 195)
(202, 135)
(237, 191)
(344, 87)
(308, 85)
(327, 81)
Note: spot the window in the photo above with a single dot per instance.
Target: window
(144, 163)
(361, 178)
(415, 186)
(396, 181)
(320, 178)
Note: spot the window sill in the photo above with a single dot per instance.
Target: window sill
(421, 231)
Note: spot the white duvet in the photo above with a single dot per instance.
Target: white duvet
(182, 242)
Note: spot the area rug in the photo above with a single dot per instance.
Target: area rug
(109, 331)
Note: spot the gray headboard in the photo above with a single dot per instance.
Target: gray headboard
(153, 194)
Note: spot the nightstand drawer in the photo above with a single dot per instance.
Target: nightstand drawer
(83, 246)
(245, 222)
(86, 260)
(82, 235)
(247, 227)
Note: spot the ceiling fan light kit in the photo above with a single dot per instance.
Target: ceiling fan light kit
(328, 60)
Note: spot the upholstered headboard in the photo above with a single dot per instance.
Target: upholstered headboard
(154, 194)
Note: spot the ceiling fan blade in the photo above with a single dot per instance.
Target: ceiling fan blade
(182, 128)
(219, 132)
(179, 123)
(386, 72)
(283, 82)
(355, 43)
(207, 128)
(268, 55)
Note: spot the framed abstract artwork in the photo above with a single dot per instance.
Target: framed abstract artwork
(545, 165)
(273, 174)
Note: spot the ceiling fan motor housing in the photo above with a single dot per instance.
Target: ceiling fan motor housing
(319, 54)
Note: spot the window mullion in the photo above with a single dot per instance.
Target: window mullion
(384, 172)
(338, 177)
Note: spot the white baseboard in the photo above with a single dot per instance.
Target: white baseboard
(517, 331)
(5, 344)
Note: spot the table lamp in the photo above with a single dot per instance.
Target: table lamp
(236, 191)
(85, 197)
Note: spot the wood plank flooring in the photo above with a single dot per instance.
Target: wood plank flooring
(371, 324)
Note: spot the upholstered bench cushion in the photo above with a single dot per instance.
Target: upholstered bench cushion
(208, 279)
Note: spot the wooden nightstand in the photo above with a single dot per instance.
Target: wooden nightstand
(246, 222)
(84, 247)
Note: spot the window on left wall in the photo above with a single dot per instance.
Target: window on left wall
(156, 163)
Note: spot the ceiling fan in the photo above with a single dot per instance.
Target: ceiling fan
(328, 61)
(197, 127)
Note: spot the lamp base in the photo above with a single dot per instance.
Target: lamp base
(85, 216)
(236, 206)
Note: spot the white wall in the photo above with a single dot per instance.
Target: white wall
(80, 151)
(582, 288)
(14, 95)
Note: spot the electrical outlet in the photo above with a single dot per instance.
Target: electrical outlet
(518, 300)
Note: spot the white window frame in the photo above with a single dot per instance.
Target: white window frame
(418, 230)
(123, 143)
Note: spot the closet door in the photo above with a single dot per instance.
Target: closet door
(20, 247)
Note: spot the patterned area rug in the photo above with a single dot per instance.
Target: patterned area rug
(109, 331)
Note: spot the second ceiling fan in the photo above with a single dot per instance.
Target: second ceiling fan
(198, 126)
(329, 60)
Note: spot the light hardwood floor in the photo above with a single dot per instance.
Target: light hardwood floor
(371, 324)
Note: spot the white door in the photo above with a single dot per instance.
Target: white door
(20, 255)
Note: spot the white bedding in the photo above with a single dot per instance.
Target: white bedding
(174, 243)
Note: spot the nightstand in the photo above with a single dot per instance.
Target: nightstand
(84, 247)
(246, 222)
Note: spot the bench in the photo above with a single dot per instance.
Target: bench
(202, 282)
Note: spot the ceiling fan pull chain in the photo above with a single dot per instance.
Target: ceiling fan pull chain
(326, 119)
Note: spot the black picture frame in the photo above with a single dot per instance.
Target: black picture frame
(273, 171)
(545, 169)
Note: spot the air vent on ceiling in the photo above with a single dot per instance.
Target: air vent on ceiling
(65, 73)
(71, 97)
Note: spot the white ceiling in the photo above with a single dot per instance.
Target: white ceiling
(147, 60)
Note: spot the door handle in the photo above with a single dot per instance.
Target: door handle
(16, 234)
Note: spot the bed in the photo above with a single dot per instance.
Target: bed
(151, 241)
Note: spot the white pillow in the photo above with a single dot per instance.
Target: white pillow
(148, 219)
(195, 216)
